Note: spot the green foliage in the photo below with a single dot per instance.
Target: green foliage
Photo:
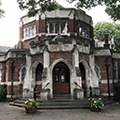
(112, 29)
(1, 11)
(112, 6)
(30, 103)
(36, 6)
(3, 92)
(97, 103)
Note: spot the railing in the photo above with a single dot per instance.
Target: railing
(46, 85)
(77, 85)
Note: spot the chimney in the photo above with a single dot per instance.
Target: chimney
(106, 40)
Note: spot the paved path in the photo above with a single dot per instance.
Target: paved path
(110, 112)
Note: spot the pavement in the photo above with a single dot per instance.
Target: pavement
(109, 112)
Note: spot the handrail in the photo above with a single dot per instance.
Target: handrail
(38, 86)
(46, 85)
(77, 84)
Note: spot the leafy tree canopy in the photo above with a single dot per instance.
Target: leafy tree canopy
(112, 29)
(35, 6)
(1, 11)
(112, 6)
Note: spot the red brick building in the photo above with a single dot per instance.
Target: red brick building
(56, 54)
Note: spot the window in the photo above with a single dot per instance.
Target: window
(83, 31)
(33, 31)
(29, 32)
(51, 28)
(86, 32)
(80, 30)
(26, 33)
(56, 28)
(62, 28)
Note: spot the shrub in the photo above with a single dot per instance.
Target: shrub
(3, 91)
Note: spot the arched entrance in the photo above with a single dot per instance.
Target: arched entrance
(61, 79)
(38, 78)
(83, 77)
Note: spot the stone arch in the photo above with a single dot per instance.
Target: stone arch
(34, 66)
(70, 67)
(87, 73)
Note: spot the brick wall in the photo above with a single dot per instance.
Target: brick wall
(71, 25)
(67, 56)
(84, 56)
(35, 57)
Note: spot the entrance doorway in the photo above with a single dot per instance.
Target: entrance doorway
(83, 77)
(38, 79)
(61, 79)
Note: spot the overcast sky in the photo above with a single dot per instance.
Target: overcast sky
(9, 25)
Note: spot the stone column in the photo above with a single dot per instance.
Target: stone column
(28, 81)
(45, 93)
(77, 89)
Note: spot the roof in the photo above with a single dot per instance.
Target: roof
(4, 49)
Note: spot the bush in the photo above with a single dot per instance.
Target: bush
(3, 91)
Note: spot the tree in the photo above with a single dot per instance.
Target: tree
(1, 11)
(112, 6)
(36, 6)
(112, 29)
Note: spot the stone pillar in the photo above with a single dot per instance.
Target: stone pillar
(77, 89)
(27, 86)
(45, 76)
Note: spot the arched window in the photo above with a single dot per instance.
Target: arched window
(56, 28)
(51, 28)
(23, 73)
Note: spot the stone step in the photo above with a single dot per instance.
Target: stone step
(60, 103)
(56, 104)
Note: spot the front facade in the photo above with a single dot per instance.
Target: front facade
(56, 55)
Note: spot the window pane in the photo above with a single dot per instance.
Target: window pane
(26, 33)
(83, 32)
(62, 78)
(51, 28)
(80, 30)
(56, 28)
(33, 31)
(30, 32)
(86, 32)
(62, 28)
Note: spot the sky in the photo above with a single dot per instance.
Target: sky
(9, 25)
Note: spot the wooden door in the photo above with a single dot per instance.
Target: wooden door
(61, 83)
